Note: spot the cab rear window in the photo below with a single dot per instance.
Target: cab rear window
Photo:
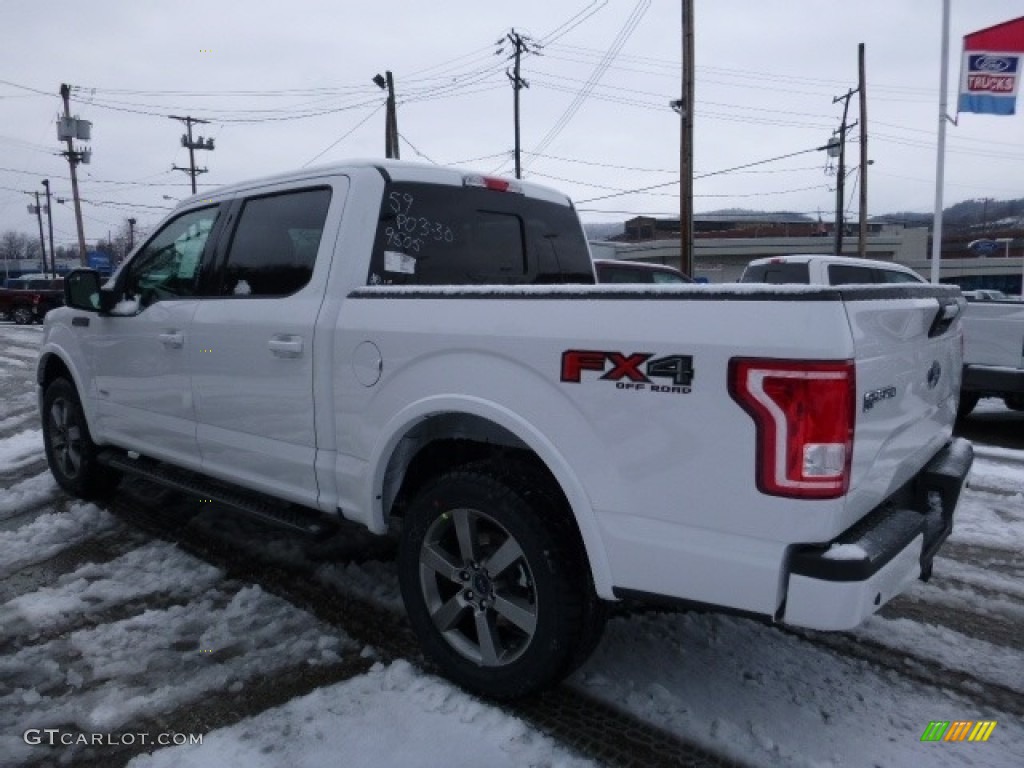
(431, 234)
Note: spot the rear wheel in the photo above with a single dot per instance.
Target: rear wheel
(498, 594)
(70, 451)
(22, 315)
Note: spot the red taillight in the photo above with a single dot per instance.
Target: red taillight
(492, 183)
(804, 414)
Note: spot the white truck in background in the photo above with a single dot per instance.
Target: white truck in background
(993, 353)
(425, 352)
(993, 324)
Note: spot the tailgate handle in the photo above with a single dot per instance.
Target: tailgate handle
(948, 312)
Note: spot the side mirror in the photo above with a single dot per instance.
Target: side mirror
(82, 291)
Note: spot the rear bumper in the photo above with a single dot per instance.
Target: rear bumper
(1000, 381)
(885, 552)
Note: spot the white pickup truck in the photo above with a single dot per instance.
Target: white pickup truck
(993, 353)
(425, 352)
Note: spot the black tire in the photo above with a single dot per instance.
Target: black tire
(968, 401)
(484, 554)
(22, 315)
(70, 451)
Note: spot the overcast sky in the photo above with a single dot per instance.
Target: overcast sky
(285, 84)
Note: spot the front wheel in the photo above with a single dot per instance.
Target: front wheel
(496, 589)
(70, 451)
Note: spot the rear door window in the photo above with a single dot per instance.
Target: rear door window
(274, 246)
(892, 276)
(432, 234)
(781, 273)
(845, 274)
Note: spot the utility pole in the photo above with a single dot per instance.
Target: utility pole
(862, 231)
(191, 146)
(387, 83)
(131, 235)
(38, 211)
(67, 130)
(49, 220)
(520, 45)
(841, 175)
(686, 146)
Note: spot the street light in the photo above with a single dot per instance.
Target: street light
(1006, 242)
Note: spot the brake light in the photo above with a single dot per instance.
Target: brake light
(492, 183)
(804, 415)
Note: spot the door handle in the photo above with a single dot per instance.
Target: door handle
(175, 339)
(286, 346)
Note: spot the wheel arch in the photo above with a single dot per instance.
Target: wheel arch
(53, 365)
(438, 434)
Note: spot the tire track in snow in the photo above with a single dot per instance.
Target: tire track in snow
(593, 728)
(16, 421)
(153, 575)
(103, 547)
(988, 695)
(51, 533)
(106, 677)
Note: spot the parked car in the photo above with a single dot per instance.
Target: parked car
(424, 351)
(27, 299)
(619, 271)
(987, 294)
(808, 269)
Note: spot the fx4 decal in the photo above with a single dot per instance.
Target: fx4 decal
(633, 371)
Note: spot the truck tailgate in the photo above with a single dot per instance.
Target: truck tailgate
(908, 345)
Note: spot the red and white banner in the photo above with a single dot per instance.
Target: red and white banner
(991, 69)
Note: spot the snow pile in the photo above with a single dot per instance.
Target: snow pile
(27, 493)
(102, 679)
(157, 568)
(845, 552)
(21, 449)
(126, 307)
(18, 420)
(13, 362)
(391, 716)
(49, 534)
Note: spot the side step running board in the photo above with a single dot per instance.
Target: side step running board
(280, 513)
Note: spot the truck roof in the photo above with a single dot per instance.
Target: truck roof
(396, 170)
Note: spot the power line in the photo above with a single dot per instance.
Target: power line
(627, 29)
(414, 149)
(703, 175)
(335, 143)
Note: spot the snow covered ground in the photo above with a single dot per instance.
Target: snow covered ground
(108, 631)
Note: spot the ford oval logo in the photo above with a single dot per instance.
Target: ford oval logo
(934, 373)
(992, 64)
